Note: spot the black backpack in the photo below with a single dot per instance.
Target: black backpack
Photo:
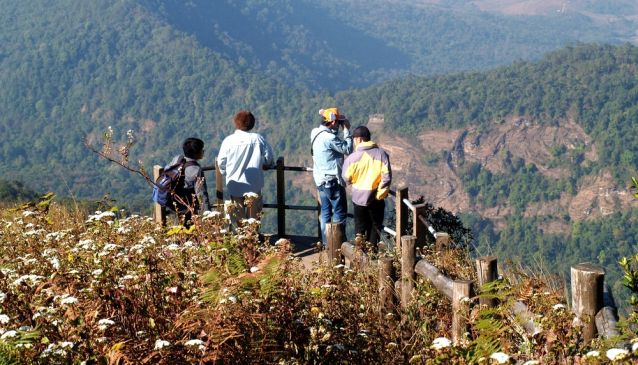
(171, 183)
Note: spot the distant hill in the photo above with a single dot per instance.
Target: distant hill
(341, 44)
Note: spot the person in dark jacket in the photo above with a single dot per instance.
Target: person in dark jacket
(194, 191)
(368, 170)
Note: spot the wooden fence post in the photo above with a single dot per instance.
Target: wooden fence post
(587, 295)
(281, 199)
(319, 222)
(158, 210)
(487, 269)
(401, 211)
(386, 286)
(408, 258)
(442, 241)
(418, 228)
(461, 291)
(335, 239)
(219, 187)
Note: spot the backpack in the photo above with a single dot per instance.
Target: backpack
(171, 182)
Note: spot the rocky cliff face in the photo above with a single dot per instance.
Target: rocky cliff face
(432, 167)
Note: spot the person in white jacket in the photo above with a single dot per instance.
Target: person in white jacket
(241, 160)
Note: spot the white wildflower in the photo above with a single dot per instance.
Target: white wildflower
(3, 296)
(532, 362)
(104, 324)
(68, 300)
(97, 272)
(98, 216)
(109, 247)
(251, 195)
(593, 354)
(85, 244)
(254, 269)
(160, 344)
(4, 319)
(30, 280)
(147, 240)
(634, 347)
(8, 334)
(558, 306)
(172, 247)
(194, 342)
(250, 221)
(440, 342)
(340, 266)
(189, 244)
(172, 290)
(464, 300)
(500, 357)
(617, 354)
(65, 344)
(209, 215)
(27, 213)
(55, 262)
(222, 301)
(232, 298)
(123, 230)
(101, 339)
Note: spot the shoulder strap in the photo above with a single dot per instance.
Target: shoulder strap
(313, 142)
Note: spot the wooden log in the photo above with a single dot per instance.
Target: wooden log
(486, 267)
(386, 286)
(219, 187)
(335, 239)
(159, 211)
(607, 322)
(441, 282)
(587, 296)
(607, 317)
(408, 257)
(281, 198)
(461, 292)
(401, 214)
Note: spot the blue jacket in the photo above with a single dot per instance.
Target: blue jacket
(328, 154)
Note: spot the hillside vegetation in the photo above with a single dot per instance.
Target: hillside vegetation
(104, 288)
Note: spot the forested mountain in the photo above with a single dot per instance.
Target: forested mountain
(170, 69)
(537, 156)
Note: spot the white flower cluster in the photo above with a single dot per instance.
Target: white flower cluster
(440, 343)
(160, 344)
(99, 216)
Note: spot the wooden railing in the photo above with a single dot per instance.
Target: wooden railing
(280, 205)
(591, 299)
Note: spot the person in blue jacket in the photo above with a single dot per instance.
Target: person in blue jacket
(328, 150)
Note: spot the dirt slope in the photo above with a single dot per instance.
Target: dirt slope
(430, 169)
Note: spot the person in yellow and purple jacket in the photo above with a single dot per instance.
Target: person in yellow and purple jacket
(368, 170)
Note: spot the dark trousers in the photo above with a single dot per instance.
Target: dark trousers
(368, 221)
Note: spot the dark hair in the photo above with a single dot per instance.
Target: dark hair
(193, 147)
(244, 120)
(362, 132)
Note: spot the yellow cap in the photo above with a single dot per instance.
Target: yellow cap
(330, 114)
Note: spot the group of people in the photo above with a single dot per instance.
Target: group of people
(339, 159)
